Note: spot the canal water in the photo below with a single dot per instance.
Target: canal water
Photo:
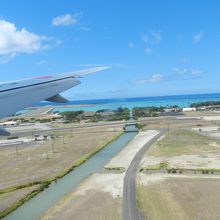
(34, 208)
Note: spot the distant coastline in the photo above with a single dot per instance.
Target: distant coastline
(108, 100)
(112, 104)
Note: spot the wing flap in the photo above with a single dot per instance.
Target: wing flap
(4, 132)
(57, 98)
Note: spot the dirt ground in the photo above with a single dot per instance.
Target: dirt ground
(179, 198)
(125, 156)
(96, 205)
(47, 159)
(98, 197)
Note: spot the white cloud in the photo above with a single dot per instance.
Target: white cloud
(196, 72)
(13, 41)
(197, 37)
(151, 40)
(65, 20)
(145, 38)
(180, 71)
(155, 78)
(148, 50)
(156, 35)
(187, 73)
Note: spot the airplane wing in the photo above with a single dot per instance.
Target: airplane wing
(4, 132)
(16, 95)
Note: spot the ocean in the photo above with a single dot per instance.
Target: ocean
(112, 104)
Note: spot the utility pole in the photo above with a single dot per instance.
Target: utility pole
(63, 139)
(16, 147)
(53, 148)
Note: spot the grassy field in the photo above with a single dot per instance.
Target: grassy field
(173, 123)
(183, 142)
(198, 114)
(180, 199)
(31, 168)
(39, 162)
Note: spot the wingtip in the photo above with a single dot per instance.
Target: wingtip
(80, 73)
(91, 70)
(103, 67)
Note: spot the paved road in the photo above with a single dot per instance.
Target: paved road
(37, 111)
(30, 132)
(130, 210)
(73, 128)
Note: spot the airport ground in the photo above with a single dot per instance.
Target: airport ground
(180, 174)
(191, 145)
(29, 166)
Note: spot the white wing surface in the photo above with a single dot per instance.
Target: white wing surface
(16, 95)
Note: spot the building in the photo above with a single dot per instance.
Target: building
(189, 109)
(9, 123)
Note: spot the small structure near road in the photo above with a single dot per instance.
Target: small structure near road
(43, 137)
(189, 109)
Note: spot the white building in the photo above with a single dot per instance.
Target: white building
(189, 109)
(9, 123)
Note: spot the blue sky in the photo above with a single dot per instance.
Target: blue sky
(153, 47)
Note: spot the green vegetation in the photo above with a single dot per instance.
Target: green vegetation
(121, 169)
(100, 115)
(207, 170)
(160, 166)
(140, 126)
(21, 201)
(201, 104)
(152, 111)
(181, 141)
(13, 188)
(165, 166)
(121, 114)
(73, 116)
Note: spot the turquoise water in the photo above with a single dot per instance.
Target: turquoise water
(34, 208)
(180, 100)
(23, 111)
